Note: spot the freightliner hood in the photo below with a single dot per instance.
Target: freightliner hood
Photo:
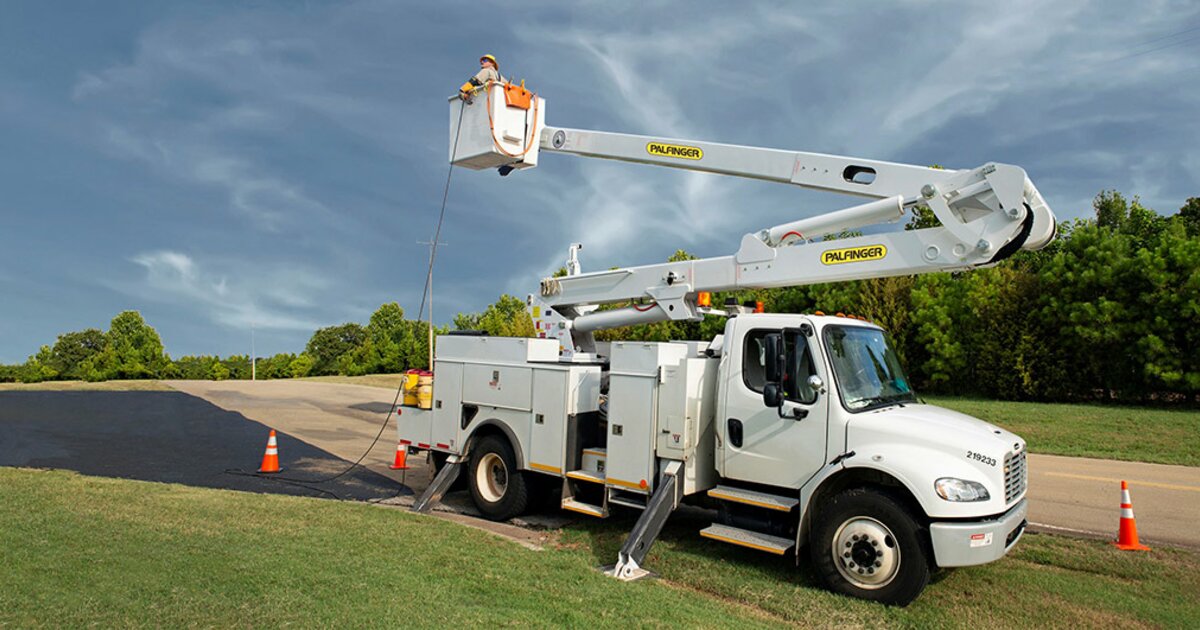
(918, 444)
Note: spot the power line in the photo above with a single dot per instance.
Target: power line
(304, 483)
(1180, 42)
(1175, 34)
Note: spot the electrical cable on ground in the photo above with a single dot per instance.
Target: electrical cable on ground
(399, 390)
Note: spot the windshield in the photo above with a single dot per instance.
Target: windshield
(867, 368)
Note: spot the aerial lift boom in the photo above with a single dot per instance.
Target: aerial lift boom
(986, 213)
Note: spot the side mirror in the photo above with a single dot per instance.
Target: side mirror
(774, 357)
(772, 395)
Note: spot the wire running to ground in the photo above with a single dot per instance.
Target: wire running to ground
(399, 390)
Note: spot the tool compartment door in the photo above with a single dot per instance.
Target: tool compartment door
(503, 386)
(549, 419)
(447, 407)
(413, 424)
(632, 400)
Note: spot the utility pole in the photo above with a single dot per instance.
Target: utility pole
(429, 282)
(253, 356)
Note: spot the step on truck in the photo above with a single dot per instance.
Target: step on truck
(802, 430)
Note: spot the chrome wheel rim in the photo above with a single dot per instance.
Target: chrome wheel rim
(491, 478)
(866, 553)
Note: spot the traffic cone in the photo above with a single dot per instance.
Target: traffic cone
(270, 463)
(1127, 537)
(401, 462)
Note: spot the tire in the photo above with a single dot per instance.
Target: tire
(866, 544)
(499, 489)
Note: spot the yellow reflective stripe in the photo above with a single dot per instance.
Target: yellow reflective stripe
(744, 544)
(627, 484)
(545, 468)
(596, 513)
(769, 506)
(582, 477)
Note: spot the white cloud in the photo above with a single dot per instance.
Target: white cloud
(243, 296)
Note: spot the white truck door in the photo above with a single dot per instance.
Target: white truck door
(757, 445)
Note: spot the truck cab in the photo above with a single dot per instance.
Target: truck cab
(819, 408)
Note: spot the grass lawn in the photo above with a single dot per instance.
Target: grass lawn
(1140, 434)
(85, 386)
(87, 550)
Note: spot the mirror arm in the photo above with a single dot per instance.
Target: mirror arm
(797, 413)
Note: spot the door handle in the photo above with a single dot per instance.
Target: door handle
(734, 431)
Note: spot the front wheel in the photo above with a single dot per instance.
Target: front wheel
(866, 544)
(500, 490)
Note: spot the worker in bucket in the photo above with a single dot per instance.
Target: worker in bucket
(489, 72)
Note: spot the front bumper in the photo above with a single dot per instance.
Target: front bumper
(960, 544)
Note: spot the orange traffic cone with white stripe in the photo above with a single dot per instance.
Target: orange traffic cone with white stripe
(270, 463)
(401, 462)
(1127, 537)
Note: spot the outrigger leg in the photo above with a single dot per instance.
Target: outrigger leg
(664, 501)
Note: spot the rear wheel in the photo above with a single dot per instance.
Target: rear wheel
(499, 489)
(866, 544)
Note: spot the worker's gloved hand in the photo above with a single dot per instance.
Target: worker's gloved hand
(465, 91)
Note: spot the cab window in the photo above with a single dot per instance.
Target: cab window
(799, 367)
(754, 361)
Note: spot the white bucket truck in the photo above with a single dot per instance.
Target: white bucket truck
(803, 430)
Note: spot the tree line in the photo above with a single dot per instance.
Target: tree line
(1110, 310)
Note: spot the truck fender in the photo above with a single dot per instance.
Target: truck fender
(495, 426)
(845, 473)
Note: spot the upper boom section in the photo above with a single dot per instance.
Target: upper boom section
(986, 214)
(852, 176)
(489, 132)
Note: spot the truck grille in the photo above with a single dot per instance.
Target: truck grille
(1015, 475)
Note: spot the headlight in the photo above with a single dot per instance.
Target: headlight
(952, 489)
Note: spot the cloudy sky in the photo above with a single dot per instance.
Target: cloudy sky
(273, 165)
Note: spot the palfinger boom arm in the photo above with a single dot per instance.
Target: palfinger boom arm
(986, 214)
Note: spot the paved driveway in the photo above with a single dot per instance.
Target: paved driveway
(170, 437)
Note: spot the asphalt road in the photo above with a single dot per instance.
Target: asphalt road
(1082, 496)
(174, 437)
(192, 436)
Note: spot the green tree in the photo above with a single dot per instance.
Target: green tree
(72, 349)
(389, 333)
(136, 349)
(301, 366)
(1190, 215)
(37, 368)
(506, 317)
(218, 371)
(1111, 209)
(327, 345)
(937, 356)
